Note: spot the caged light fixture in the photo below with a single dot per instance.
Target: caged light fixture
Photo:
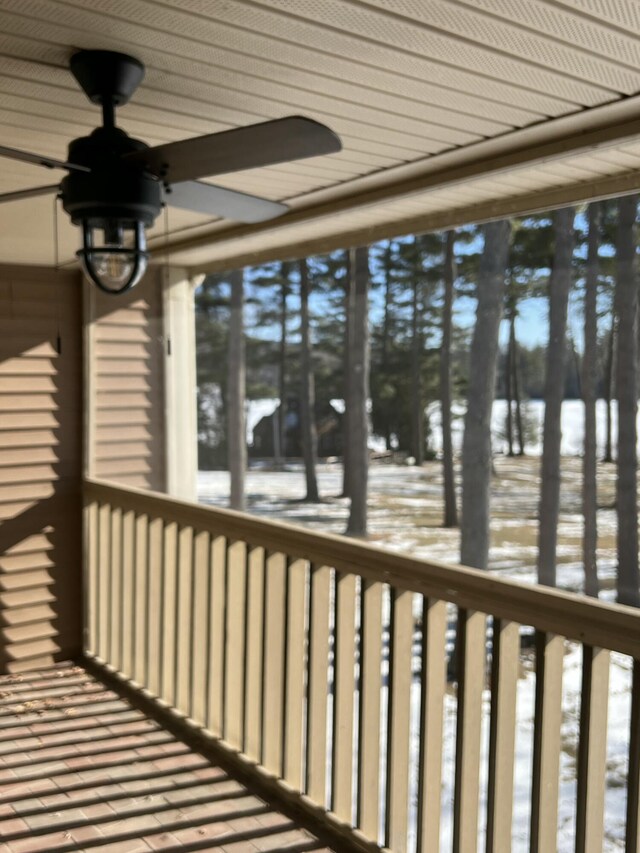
(117, 185)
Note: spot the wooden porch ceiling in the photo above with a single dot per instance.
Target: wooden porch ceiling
(449, 110)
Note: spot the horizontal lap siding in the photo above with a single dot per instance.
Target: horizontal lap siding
(127, 386)
(40, 466)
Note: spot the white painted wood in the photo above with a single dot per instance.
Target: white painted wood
(180, 382)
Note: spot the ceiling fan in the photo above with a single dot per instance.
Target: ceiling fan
(117, 184)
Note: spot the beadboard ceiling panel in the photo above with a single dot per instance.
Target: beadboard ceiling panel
(448, 110)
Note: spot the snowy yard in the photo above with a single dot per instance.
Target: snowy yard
(405, 511)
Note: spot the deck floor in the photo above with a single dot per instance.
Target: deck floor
(81, 769)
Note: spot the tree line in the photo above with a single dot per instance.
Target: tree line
(395, 326)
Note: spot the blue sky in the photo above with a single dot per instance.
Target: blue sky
(531, 324)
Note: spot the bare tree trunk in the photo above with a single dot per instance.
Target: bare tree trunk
(357, 403)
(576, 364)
(282, 411)
(385, 329)
(450, 505)
(417, 405)
(507, 375)
(626, 300)
(516, 384)
(476, 447)
(589, 394)
(608, 448)
(349, 295)
(559, 286)
(308, 395)
(638, 347)
(236, 429)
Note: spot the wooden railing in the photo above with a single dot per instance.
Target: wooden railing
(332, 665)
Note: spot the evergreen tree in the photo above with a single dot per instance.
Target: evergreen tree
(307, 390)
(589, 395)
(236, 427)
(403, 375)
(273, 285)
(608, 230)
(356, 401)
(529, 261)
(212, 327)
(449, 276)
(476, 449)
(383, 261)
(626, 308)
(559, 287)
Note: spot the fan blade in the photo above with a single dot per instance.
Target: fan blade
(32, 193)
(40, 160)
(263, 144)
(218, 201)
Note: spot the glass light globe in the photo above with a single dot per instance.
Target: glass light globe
(120, 262)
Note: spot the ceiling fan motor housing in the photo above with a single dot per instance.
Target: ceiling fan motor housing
(113, 189)
(106, 76)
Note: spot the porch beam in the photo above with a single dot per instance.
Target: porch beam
(626, 183)
(552, 141)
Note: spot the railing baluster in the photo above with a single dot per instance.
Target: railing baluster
(471, 642)
(104, 574)
(243, 649)
(255, 640)
(234, 670)
(432, 689)
(115, 590)
(169, 623)
(274, 662)
(184, 619)
(154, 603)
(632, 837)
(369, 723)
(91, 580)
(200, 627)
(141, 607)
(217, 611)
(400, 674)
(128, 590)
(343, 707)
(319, 604)
(592, 750)
(296, 655)
(546, 743)
(505, 667)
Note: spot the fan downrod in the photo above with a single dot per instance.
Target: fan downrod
(106, 77)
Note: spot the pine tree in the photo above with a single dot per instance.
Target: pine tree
(273, 283)
(356, 402)
(212, 332)
(450, 504)
(236, 428)
(476, 448)
(528, 262)
(589, 395)
(559, 287)
(626, 308)
(307, 390)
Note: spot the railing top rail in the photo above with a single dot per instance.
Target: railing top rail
(592, 622)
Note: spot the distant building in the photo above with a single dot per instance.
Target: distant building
(328, 424)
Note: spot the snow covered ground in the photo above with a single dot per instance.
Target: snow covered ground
(405, 510)
(533, 417)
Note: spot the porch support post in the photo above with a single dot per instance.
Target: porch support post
(180, 382)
